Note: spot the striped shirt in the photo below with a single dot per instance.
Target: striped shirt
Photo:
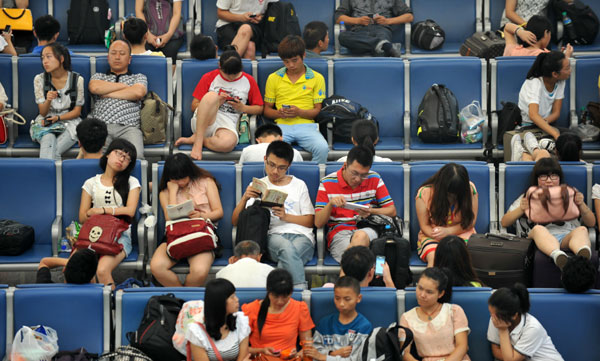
(372, 191)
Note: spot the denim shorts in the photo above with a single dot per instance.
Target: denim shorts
(125, 240)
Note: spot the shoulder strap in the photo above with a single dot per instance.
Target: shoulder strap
(72, 91)
(48, 86)
(212, 344)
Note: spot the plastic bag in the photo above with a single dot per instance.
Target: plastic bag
(36, 343)
(471, 123)
(586, 131)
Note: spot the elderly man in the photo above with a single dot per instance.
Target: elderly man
(245, 269)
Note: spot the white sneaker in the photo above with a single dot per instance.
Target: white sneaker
(516, 148)
(560, 258)
(585, 252)
(548, 144)
(530, 142)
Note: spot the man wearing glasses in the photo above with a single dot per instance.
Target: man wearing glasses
(352, 191)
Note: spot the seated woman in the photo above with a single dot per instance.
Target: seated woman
(520, 11)
(440, 329)
(540, 100)
(552, 238)
(569, 147)
(278, 320)
(513, 332)
(165, 38)
(113, 192)
(364, 132)
(57, 105)
(452, 253)
(183, 180)
(446, 205)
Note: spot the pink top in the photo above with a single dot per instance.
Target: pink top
(435, 339)
(520, 50)
(197, 191)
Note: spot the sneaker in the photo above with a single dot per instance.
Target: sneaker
(560, 258)
(548, 144)
(516, 148)
(585, 252)
(396, 50)
(530, 142)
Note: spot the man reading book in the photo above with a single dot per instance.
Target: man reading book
(291, 239)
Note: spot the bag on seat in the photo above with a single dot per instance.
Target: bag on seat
(279, 20)
(125, 353)
(396, 251)
(437, 120)
(341, 113)
(428, 35)
(15, 238)
(483, 45)
(154, 116)
(384, 344)
(253, 225)
(87, 20)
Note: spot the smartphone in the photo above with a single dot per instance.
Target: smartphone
(253, 16)
(371, 15)
(7, 29)
(379, 261)
(276, 353)
(285, 106)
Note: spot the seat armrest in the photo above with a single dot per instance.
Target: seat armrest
(56, 234)
(320, 246)
(406, 129)
(142, 237)
(177, 125)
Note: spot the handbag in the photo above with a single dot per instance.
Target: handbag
(101, 232)
(7, 116)
(18, 19)
(551, 204)
(189, 236)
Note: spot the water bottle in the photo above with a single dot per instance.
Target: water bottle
(64, 246)
(342, 26)
(244, 129)
(569, 31)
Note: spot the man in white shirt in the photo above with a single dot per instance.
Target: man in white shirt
(245, 269)
(265, 134)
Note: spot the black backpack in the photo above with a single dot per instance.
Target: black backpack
(428, 35)
(396, 251)
(509, 117)
(279, 20)
(154, 335)
(437, 121)
(382, 344)
(87, 20)
(253, 225)
(341, 113)
(15, 238)
(48, 86)
(585, 21)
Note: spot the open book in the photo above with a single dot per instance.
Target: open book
(180, 210)
(269, 197)
(354, 206)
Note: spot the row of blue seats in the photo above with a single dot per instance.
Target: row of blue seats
(391, 88)
(56, 200)
(90, 306)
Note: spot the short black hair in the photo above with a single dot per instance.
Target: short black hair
(230, 61)
(357, 262)
(578, 274)
(46, 26)
(361, 154)
(282, 150)
(538, 25)
(290, 47)
(134, 30)
(81, 267)
(268, 129)
(348, 282)
(443, 278)
(202, 47)
(568, 147)
(92, 133)
(314, 32)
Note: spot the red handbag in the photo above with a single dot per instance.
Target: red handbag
(187, 237)
(101, 232)
(551, 204)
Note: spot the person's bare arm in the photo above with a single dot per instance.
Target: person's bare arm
(511, 30)
(53, 262)
(134, 92)
(244, 108)
(103, 87)
(75, 113)
(270, 112)
(510, 8)
(496, 352)
(349, 20)
(540, 122)
(214, 200)
(461, 346)
(555, 114)
(22, 4)
(306, 220)
(397, 20)
(9, 48)
(233, 18)
(510, 217)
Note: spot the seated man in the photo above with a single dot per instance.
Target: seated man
(354, 184)
(203, 47)
(316, 38)
(245, 269)
(117, 96)
(45, 30)
(79, 268)
(293, 97)
(239, 25)
(369, 25)
(290, 238)
(135, 31)
(265, 134)
(92, 134)
(220, 98)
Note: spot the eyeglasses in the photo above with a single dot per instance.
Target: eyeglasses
(355, 174)
(281, 168)
(552, 176)
(121, 154)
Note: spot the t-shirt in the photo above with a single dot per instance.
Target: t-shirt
(534, 91)
(307, 91)
(243, 88)
(376, 159)
(229, 347)
(62, 103)
(246, 272)
(529, 338)
(103, 196)
(198, 193)
(297, 203)
(119, 111)
(370, 191)
(385, 8)
(520, 50)
(241, 7)
(280, 330)
(257, 152)
(150, 52)
(332, 335)
(526, 9)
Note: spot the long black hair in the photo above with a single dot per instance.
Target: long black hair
(545, 166)
(60, 50)
(452, 254)
(215, 307)
(364, 132)
(279, 283)
(179, 166)
(568, 147)
(444, 280)
(121, 180)
(452, 179)
(545, 64)
(510, 301)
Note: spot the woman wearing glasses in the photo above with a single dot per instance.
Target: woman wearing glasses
(552, 238)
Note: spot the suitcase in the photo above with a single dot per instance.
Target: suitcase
(501, 260)
(483, 45)
(547, 275)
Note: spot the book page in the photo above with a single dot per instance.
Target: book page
(274, 197)
(180, 210)
(354, 206)
(259, 185)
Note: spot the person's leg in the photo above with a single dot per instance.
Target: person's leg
(206, 114)
(578, 241)
(359, 41)
(133, 135)
(47, 146)
(199, 267)
(548, 245)
(363, 237)
(110, 136)
(426, 250)
(106, 265)
(339, 244)
(309, 138)
(161, 265)
(242, 38)
(224, 140)
(63, 143)
(284, 252)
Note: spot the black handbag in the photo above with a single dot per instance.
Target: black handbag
(15, 238)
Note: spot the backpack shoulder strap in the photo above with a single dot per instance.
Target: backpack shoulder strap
(73, 89)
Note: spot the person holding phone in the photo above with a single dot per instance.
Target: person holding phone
(359, 262)
(6, 44)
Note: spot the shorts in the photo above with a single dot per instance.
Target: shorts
(125, 240)
(341, 241)
(226, 33)
(220, 123)
(425, 246)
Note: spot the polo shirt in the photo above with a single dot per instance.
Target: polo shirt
(307, 91)
(371, 191)
(119, 111)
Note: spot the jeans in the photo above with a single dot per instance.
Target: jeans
(291, 251)
(308, 137)
(127, 132)
(52, 146)
(364, 39)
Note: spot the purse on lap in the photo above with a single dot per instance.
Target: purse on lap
(187, 237)
(551, 204)
(101, 232)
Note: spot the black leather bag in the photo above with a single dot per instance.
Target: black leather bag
(483, 45)
(15, 238)
(428, 35)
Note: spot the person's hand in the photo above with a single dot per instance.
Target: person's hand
(279, 212)
(314, 354)
(387, 275)
(237, 105)
(524, 204)
(499, 324)
(246, 17)
(380, 20)
(578, 199)
(251, 192)
(94, 211)
(269, 351)
(363, 20)
(554, 133)
(164, 39)
(50, 120)
(344, 351)
(291, 112)
(51, 95)
(568, 50)
(172, 186)
(151, 39)
(439, 232)
(338, 201)
(195, 214)
(257, 19)
(527, 36)
(7, 36)
(364, 213)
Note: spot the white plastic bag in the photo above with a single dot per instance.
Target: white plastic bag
(37, 343)
(471, 120)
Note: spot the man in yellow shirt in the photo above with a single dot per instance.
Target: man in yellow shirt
(293, 97)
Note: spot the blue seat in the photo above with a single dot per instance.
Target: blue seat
(455, 74)
(492, 10)
(459, 19)
(378, 85)
(585, 77)
(74, 173)
(160, 80)
(378, 305)
(29, 196)
(305, 10)
(482, 175)
(225, 174)
(474, 302)
(59, 306)
(6, 78)
(3, 322)
(189, 72)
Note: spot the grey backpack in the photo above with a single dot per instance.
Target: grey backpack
(154, 118)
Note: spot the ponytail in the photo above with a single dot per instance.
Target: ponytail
(509, 301)
(279, 283)
(365, 133)
(545, 64)
(367, 142)
(262, 313)
(568, 147)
